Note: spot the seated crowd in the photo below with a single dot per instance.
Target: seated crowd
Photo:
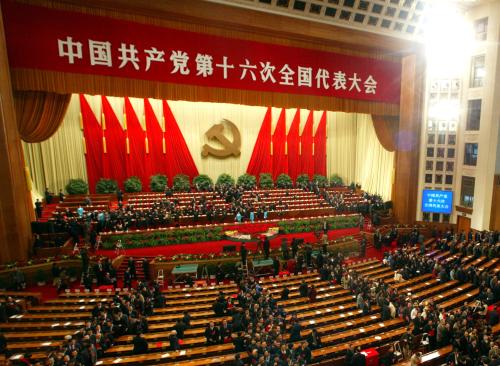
(263, 333)
(217, 205)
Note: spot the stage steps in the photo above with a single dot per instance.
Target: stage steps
(138, 267)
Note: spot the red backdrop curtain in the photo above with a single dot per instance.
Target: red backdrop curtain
(261, 159)
(320, 147)
(114, 158)
(136, 147)
(280, 160)
(306, 142)
(155, 157)
(293, 147)
(179, 157)
(92, 133)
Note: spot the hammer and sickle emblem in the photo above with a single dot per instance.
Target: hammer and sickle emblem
(216, 132)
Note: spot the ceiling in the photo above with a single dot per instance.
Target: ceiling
(398, 18)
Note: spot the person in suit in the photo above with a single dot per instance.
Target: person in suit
(38, 209)
(295, 247)
(284, 249)
(349, 355)
(276, 266)
(313, 339)
(140, 344)
(237, 360)
(303, 289)
(48, 196)
(61, 195)
(174, 341)
(358, 359)
(295, 332)
(312, 294)
(267, 246)
(243, 253)
(285, 293)
(131, 267)
(212, 334)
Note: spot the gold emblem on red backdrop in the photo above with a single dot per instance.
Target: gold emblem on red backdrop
(229, 148)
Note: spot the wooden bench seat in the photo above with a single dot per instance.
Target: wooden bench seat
(60, 308)
(34, 297)
(412, 281)
(42, 325)
(78, 301)
(488, 265)
(363, 264)
(44, 317)
(32, 335)
(459, 300)
(372, 340)
(377, 271)
(475, 263)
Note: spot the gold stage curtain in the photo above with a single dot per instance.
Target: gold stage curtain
(386, 128)
(39, 114)
(355, 153)
(53, 162)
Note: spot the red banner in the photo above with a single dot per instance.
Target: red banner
(49, 39)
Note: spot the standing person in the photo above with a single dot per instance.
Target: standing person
(119, 195)
(140, 344)
(276, 265)
(174, 341)
(127, 279)
(361, 222)
(61, 196)
(267, 246)
(243, 253)
(38, 209)
(284, 249)
(131, 267)
(326, 227)
(145, 268)
(362, 246)
(358, 359)
(48, 196)
(312, 294)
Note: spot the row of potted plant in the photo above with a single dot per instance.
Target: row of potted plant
(165, 237)
(202, 182)
(334, 222)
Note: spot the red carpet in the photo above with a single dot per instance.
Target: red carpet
(216, 246)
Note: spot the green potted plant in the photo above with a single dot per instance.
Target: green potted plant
(302, 180)
(266, 181)
(320, 180)
(158, 183)
(106, 186)
(77, 186)
(132, 184)
(40, 278)
(284, 181)
(181, 183)
(202, 182)
(247, 181)
(225, 179)
(336, 180)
